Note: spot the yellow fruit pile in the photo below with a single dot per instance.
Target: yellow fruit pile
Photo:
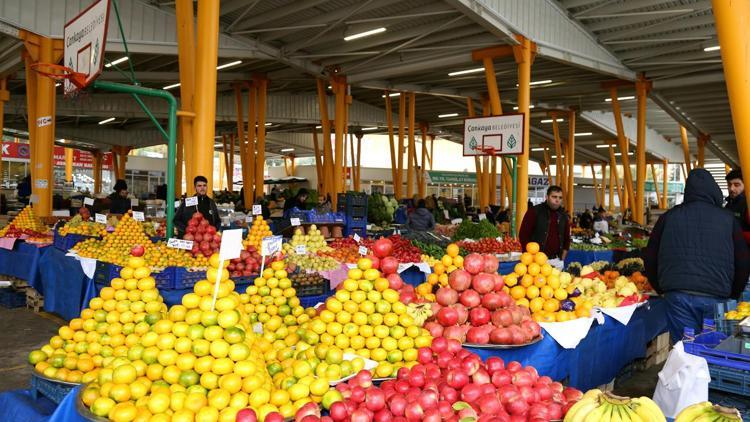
(440, 270)
(535, 284)
(742, 311)
(25, 220)
(111, 327)
(76, 225)
(313, 241)
(257, 232)
(366, 318)
(451, 261)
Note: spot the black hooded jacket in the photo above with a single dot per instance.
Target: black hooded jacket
(697, 246)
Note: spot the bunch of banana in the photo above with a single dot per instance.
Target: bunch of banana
(429, 260)
(419, 311)
(705, 411)
(596, 406)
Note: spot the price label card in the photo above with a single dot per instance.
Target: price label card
(100, 218)
(456, 221)
(482, 216)
(446, 214)
(248, 219)
(270, 245)
(133, 202)
(179, 243)
(363, 250)
(356, 237)
(300, 249)
(160, 214)
(294, 221)
(257, 210)
(138, 216)
(231, 244)
(191, 201)
(34, 199)
(88, 201)
(177, 204)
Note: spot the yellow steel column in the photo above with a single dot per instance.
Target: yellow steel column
(611, 202)
(68, 165)
(392, 147)
(623, 142)
(31, 87)
(477, 162)
(665, 186)
(558, 151)
(604, 184)
(616, 173)
(250, 147)
(97, 171)
(593, 177)
(339, 89)
(205, 90)
(485, 193)
(702, 140)
(42, 174)
(231, 161)
(186, 58)
(123, 160)
(398, 187)
(685, 148)
(318, 164)
(432, 150)
(115, 167)
(423, 167)
(221, 169)
(656, 185)
(247, 190)
(358, 166)
(260, 159)
(411, 153)
(524, 55)
(570, 156)
(642, 87)
(225, 166)
(325, 125)
(493, 181)
(732, 26)
(352, 176)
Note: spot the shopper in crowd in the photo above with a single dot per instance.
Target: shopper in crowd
(736, 201)
(401, 216)
(298, 201)
(489, 215)
(601, 225)
(696, 256)
(264, 210)
(503, 216)
(24, 189)
(548, 225)
(119, 201)
(206, 206)
(586, 220)
(161, 191)
(421, 219)
(324, 204)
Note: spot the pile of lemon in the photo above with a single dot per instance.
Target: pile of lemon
(110, 328)
(366, 318)
(741, 312)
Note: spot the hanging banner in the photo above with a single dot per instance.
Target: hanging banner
(20, 152)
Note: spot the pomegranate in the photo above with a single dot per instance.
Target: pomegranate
(473, 263)
(459, 280)
(470, 298)
(483, 283)
(446, 296)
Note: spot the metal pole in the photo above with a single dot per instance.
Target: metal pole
(623, 142)
(641, 89)
(514, 203)
(656, 185)
(411, 153)
(325, 125)
(252, 131)
(570, 157)
(260, 158)
(685, 148)
(398, 187)
(392, 147)
(664, 189)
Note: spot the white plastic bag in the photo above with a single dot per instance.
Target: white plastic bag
(682, 382)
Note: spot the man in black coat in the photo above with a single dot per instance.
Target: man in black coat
(696, 256)
(736, 201)
(206, 206)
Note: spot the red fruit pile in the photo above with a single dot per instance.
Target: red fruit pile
(205, 239)
(247, 264)
(388, 266)
(475, 309)
(395, 246)
(491, 245)
(449, 384)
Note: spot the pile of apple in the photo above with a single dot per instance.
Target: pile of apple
(450, 383)
(476, 309)
(205, 239)
(247, 264)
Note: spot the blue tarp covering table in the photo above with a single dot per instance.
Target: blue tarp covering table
(22, 262)
(506, 268)
(601, 354)
(62, 282)
(20, 405)
(587, 257)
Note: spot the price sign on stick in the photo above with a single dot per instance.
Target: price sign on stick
(88, 201)
(482, 216)
(300, 249)
(138, 216)
(176, 243)
(270, 245)
(257, 210)
(230, 248)
(191, 201)
(177, 204)
(446, 214)
(248, 219)
(363, 250)
(133, 202)
(294, 221)
(100, 218)
(356, 237)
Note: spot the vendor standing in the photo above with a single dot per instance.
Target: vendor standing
(119, 201)
(548, 225)
(297, 202)
(736, 201)
(205, 206)
(696, 256)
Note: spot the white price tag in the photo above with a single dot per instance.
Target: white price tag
(100, 218)
(160, 214)
(177, 204)
(248, 219)
(88, 201)
(257, 210)
(34, 199)
(300, 249)
(356, 237)
(294, 221)
(363, 250)
(133, 202)
(179, 243)
(457, 221)
(258, 328)
(270, 245)
(231, 244)
(446, 214)
(482, 216)
(138, 216)
(191, 201)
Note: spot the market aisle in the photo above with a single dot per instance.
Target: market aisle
(22, 330)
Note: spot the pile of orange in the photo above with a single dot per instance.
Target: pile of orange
(257, 232)
(25, 220)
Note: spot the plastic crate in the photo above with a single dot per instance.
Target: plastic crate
(105, 272)
(356, 211)
(704, 345)
(354, 221)
(360, 231)
(356, 199)
(730, 380)
(728, 326)
(65, 243)
(309, 301)
(244, 281)
(184, 279)
(11, 298)
(319, 289)
(55, 391)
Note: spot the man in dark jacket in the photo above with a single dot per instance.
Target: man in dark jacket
(421, 219)
(206, 206)
(548, 225)
(736, 201)
(587, 220)
(696, 256)
(119, 202)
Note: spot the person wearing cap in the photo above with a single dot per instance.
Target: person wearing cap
(696, 256)
(736, 201)
(119, 201)
(206, 206)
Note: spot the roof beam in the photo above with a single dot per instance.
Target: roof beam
(676, 23)
(278, 13)
(617, 20)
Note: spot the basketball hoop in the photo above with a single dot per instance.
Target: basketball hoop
(59, 72)
(488, 151)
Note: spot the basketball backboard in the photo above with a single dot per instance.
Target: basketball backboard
(85, 38)
(494, 135)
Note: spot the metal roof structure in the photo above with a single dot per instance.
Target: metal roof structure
(580, 45)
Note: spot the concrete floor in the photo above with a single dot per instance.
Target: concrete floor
(21, 331)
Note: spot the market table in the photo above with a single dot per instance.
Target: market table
(587, 257)
(62, 282)
(22, 262)
(20, 405)
(600, 356)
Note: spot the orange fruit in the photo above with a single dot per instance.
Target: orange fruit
(551, 305)
(536, 304)
(532, 247)
(452, 250)
(532, 292)
(540, 258)
(533, 268)
(517, 292)
(547, 292)
(520, 269)
(527, 258)
(527, 280)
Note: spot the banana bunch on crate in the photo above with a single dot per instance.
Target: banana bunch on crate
(596, 406)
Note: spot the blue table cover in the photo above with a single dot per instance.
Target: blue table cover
(506, 268)
(22, 262)
(65, 287)
(413, 276)
(587, 257)
(601, 354)
(19, 405)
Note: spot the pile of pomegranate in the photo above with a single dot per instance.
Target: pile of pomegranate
(450, 383)
(247, 264)
(475, 309)
(206, 240)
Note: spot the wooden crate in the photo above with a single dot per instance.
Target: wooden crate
(34, 300)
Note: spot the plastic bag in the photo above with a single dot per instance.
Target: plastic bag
(682, 382)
